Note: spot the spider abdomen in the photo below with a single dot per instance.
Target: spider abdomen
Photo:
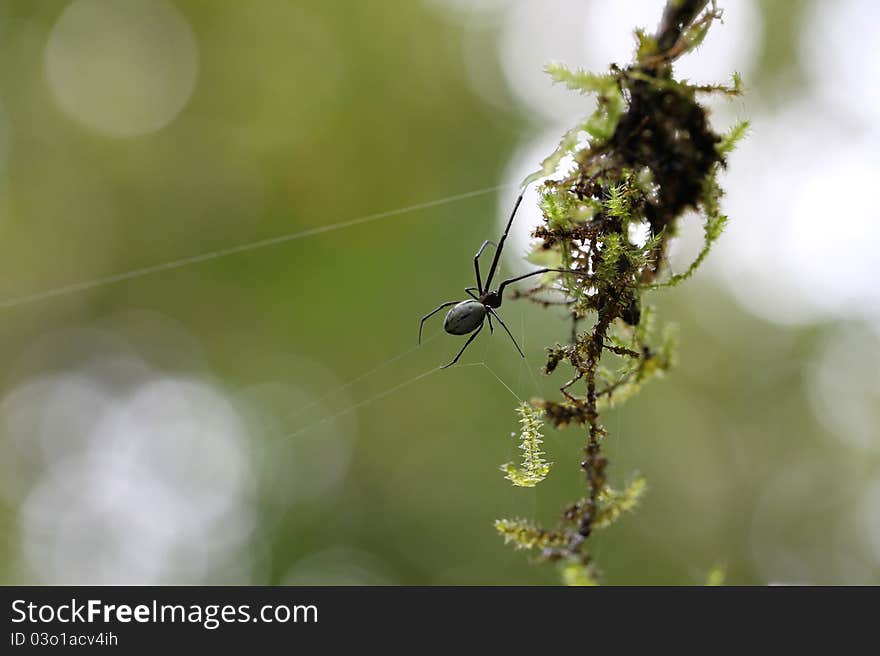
(464, 318)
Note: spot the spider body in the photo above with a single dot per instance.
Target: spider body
(465, 318)
(469, 316)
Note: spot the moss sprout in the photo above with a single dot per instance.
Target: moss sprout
(534, 468)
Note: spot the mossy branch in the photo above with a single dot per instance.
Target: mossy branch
(642, 160)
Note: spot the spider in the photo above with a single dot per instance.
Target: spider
(469, 316)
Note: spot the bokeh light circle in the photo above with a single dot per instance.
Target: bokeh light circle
(801, 237)
(841, 55)
(121, 67)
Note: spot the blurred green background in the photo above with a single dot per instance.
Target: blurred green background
(254, 418)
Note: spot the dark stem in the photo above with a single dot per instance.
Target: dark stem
(677, 16)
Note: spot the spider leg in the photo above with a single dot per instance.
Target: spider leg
(491, 328)
(564, 388)
(466, 344)
(507, 330)
(477, 263)
(431, 314)
(500, 246)
(536, 273)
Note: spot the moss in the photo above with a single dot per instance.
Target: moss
(534, 468)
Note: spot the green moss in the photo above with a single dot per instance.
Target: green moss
(523, 534)
(534, 468)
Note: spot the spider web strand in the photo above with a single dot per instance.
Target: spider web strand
(233, 250)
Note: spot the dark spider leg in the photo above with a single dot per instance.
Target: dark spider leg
(492, 313)
(491, 327)
(564, 388)
(500, 246)
(466, 344)
(477, 263)
(536, 273)
(431, 314)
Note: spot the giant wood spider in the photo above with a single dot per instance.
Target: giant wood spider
(470, 315)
